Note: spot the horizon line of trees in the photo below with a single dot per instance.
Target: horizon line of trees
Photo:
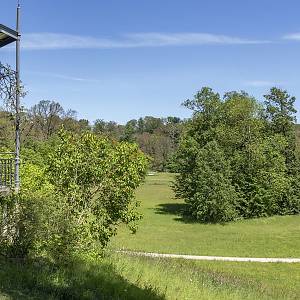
(156, 137)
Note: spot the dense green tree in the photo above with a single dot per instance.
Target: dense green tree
(99, 126)
(280, 115)
(280, 111)
(140, 125)
(110, 129)
(207, 187)
(151, 124)
(158, 146)
(257, 144)
(159, 139)
(130, 130)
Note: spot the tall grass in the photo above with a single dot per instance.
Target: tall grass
(122, 277)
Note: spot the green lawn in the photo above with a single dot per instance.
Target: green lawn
(164, 230)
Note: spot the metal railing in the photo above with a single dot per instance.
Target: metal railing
(7, 171)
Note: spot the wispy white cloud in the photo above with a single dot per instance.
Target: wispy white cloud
(48, 41)
(186, 39)
(292, 36)
(66, 77)
(72, 78)
(261, 83)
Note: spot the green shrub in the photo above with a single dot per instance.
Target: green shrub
(21, 213)
(74, 204)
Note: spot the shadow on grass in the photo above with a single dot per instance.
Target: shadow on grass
(156, 183)
(179, 210)
(41, 280)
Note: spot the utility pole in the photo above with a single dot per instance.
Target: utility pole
(18, 91)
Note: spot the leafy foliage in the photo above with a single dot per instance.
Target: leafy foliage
(212, 198)
(74, 203)
(237, 156)
(97, 179)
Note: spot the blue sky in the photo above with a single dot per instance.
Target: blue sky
(118, 60)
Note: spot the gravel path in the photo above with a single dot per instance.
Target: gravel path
(220, 258)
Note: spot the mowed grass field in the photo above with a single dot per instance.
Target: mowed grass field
(164, 230)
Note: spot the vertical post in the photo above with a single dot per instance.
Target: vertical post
(17, 149)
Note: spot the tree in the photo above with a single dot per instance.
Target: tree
(141, 125)
(97, 179)
(6, 130)
(206, 107)
(280, 111)
(130, 130)
(208, 189)
(157, 137)
(8, 90)
(151, 124)
(246, 140)
(280, 115)
(158, 146)
(110, 129)
(47, 117)
(99, 126)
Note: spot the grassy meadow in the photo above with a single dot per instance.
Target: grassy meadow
(164, 229)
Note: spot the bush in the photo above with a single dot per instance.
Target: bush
(75, 203)
(22, 215)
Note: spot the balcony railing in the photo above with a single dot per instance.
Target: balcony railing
(7, 172)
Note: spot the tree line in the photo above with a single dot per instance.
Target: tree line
(157, 137)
